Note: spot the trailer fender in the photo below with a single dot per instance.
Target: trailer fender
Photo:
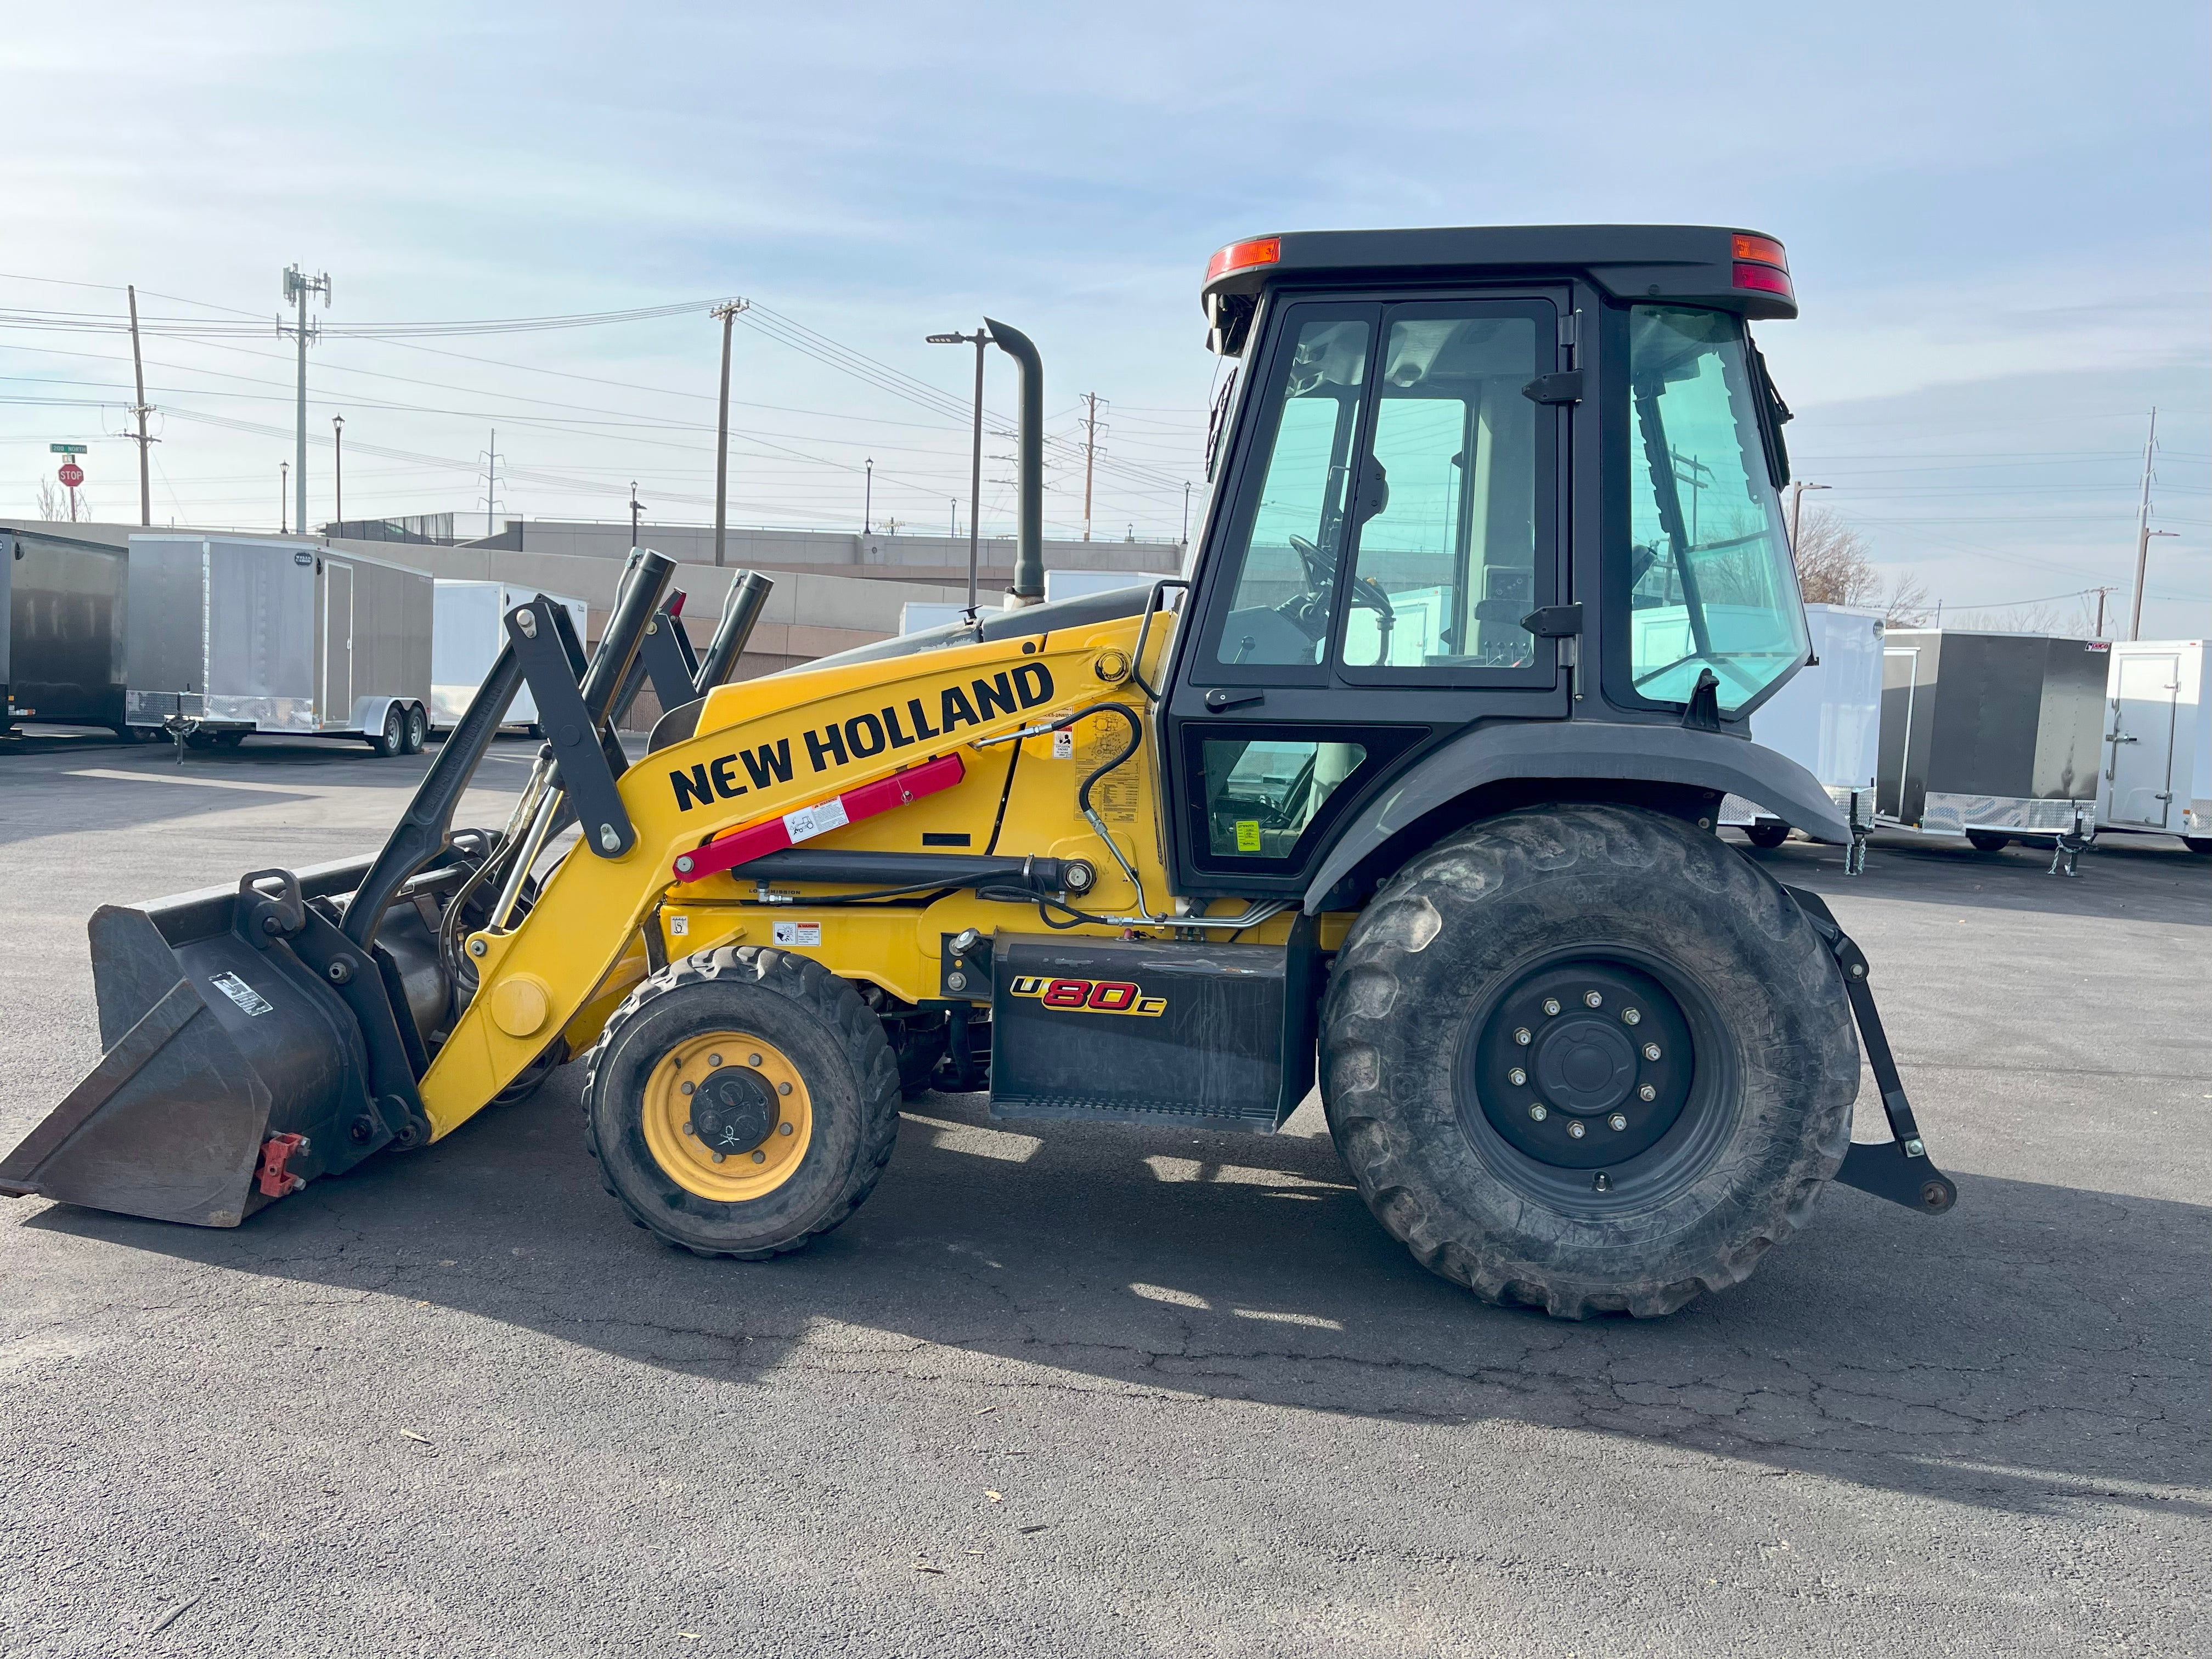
(1580, 751)
(368, 712)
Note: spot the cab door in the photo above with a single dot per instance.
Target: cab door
(1394, 509)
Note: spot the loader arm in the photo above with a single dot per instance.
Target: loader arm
(765, 747)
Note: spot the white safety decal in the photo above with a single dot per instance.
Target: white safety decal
(678, 926)
(242, 994)
(816, 820)
(799, 932)
(1063, 745)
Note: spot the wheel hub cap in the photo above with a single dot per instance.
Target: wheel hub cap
(732, 1111)
(1583, 1063)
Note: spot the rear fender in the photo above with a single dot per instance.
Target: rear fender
(1580, 759)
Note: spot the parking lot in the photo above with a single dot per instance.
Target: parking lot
(1077, 1389)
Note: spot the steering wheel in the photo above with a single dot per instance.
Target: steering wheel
(1318, 571)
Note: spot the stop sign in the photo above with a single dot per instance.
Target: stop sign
(72, 474)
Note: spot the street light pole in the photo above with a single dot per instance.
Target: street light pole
(1798, 506)
(868, 501)
(635, 508)
(284, 492)
(728, 313)
(338, 466)
(979, 339)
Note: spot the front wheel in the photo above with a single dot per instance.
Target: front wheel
(1987, 841)
(741, 1102)
(1586, 1059)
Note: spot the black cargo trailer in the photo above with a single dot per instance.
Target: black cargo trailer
(1989, 736)
(61, 653)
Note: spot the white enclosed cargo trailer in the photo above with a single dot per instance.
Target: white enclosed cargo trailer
(225, 636)
(471, 630)
(1828, 719)
(2157, 777)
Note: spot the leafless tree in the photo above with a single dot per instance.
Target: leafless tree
(1833, 565)
(1908, 605)
(2069, 618)
(52, 504)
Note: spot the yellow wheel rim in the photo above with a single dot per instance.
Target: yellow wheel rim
(721, 1067)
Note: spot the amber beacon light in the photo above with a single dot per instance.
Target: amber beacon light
(1760, 263)
(1243, 256)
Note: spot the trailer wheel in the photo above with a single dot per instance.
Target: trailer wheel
(1586, 1058)
(392, 740)
(418, 730)
(2200, 845)
(1767, 833)
(740, 1101)
(1987, 841)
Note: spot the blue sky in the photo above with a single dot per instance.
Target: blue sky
(1997, 215)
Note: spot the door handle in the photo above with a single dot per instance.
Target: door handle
(1221, 697)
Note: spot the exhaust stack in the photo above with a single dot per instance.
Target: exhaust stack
(1028, 547)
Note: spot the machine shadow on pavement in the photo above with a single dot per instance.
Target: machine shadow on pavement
(1993, 1360)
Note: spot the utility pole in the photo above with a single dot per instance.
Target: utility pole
(953, 501)
(283, 494)
(2144, 533)
(979, 339)
(140, 409)
(491, 484)
(1186, 512)
(1089, 451)
(635, 508)
(338, 466)
(2100, 611)
(868, 501)
(297, 288)
(727, 310)
(1797, 507)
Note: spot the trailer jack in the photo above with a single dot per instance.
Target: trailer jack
(1900, 1171)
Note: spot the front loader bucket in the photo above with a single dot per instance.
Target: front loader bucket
(236, 1068)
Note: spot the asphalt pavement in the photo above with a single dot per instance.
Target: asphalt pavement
(1088, 1389)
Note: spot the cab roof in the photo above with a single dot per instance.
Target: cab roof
(1741, 270)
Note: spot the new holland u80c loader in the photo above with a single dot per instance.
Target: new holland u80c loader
(1411, 782)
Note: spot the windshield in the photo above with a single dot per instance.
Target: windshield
(1712, 588)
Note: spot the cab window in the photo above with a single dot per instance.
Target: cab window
(1261, 793)
(1712, 588)
(1450, 507)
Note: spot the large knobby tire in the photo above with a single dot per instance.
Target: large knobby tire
(767, 1015)
(1476, 965)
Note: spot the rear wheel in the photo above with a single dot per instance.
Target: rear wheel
(392, 739)
(741, 1102)
(1767, 833)
(418, 730)
(1988, 840)
(2200, 845)
(1586, 1059)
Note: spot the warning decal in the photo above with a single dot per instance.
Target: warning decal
(799, 932)
(242, 994)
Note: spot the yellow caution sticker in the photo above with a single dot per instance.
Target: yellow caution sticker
(1248, 835)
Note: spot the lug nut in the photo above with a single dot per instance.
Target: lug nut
(1647, 1092)
(753, 1060)
(1550, 1005)
(1576, 1130)
(1593, 999)
(1617, 1120)
(1539, 1111)
(783, 1087)
(760, 1158)
(688, 1086)
(1650, 1051)
(1516, 1076)
(688, 1129)
(1632, 1016)
(718, 1157)
(714, 1061)
(783, 1129)
(1521, 1036)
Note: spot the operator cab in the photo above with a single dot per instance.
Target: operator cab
(1525, 473)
